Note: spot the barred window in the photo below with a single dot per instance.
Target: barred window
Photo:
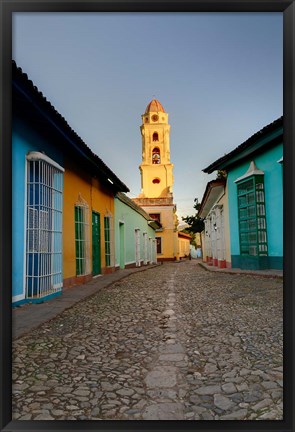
(44, 226)
(252, 218)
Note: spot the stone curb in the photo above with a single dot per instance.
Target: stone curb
(241, 272)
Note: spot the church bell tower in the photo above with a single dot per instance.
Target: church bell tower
(156, 169)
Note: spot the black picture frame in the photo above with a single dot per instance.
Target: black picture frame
(7, 8)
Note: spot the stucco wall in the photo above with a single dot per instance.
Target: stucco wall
(24, 140)
(162, 172)
(224, 202)
(168, 234)
(98, 198)
(184, 247)
(131, 220)
(273, 184)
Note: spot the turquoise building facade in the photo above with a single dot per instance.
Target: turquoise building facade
(31, 149)
(135, 243)
(254, 182)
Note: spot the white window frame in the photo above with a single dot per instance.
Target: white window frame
(43, 242)
(109, 241)
(82, 244)
(145, 248)
(137, 247)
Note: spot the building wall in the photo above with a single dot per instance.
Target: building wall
(198, 240)
(216, 235)
(131, 220)
(184, 247)
(168, 234)
(224, 202)
(99, 199)
(273, 184)
(204, 249)
(24, 140)
(163, 174)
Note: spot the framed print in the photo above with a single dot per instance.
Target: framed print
(147, 215)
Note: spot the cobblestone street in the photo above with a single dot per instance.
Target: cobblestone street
(173, 342)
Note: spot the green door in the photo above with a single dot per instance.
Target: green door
(96, 258)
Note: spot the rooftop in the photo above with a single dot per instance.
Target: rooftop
(128, 201)
(272, 133)
(31, 102)
(213, 190)
(154, 106)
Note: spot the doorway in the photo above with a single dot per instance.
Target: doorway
(96, 249)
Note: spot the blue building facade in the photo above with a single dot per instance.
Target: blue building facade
(37, 201)
(254, 172)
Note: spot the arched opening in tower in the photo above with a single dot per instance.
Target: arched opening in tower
(156, 155)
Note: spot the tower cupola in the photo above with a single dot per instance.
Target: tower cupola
(154, 106)
(155, 113)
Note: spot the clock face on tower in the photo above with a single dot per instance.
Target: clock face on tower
(155, 117)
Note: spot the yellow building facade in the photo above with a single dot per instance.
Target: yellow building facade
(156, 170)
(184, 241)
(88, 226)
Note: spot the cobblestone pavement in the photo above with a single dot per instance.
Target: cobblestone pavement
(174, 342)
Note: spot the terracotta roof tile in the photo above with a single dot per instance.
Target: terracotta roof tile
(154, 106)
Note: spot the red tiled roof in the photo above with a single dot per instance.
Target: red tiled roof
(154, 106)
(184, 235)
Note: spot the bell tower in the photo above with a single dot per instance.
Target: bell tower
(156, 169)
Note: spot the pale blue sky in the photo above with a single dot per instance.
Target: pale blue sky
(218, 75)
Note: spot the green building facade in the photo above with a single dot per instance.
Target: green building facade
(135, 243)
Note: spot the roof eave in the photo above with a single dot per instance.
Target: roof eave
(130, 203)
(211, 188)
(184, 235)
(26, 87)
(154, 224)
(270, 134)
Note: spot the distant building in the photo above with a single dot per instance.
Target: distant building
(134, 234)
(215, 237)
(254, 186)
(184, 244)
(156, 169)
